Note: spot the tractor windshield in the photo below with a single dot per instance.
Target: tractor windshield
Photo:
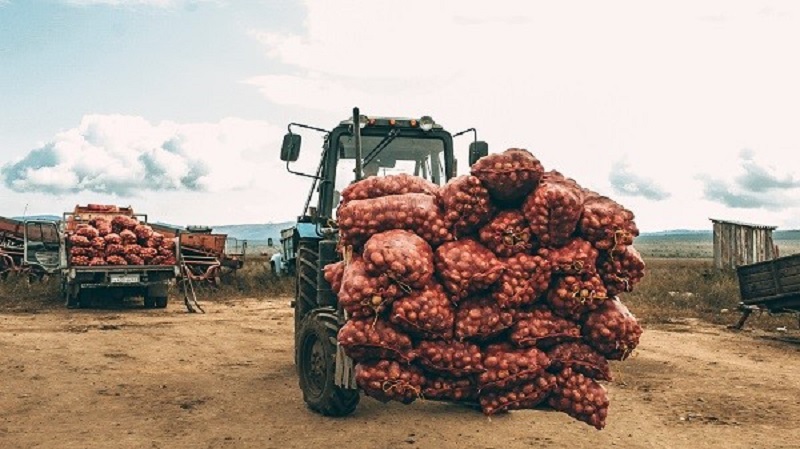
(391, 154)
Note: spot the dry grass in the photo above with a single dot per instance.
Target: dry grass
(18, 293)
(254, 279)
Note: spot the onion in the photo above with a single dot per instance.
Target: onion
(510, 175)
(402, 256)
(128, 237)
(362, 295)
(465, 267)
(580, 397)
(541, 328)
(578, 256)
(612, 330)
(365, 339)
(508, 234)
(606, 224)
(554, 208)
(450, 388)
(427, 313)
(378, 186)
(507, 366)
(450, 357)
(620, 271)
(526, 395)
(333, 273)
(524, 280)
(573, 296)
(581, 358)
(481, 318)
(388, 380)
(467, 205)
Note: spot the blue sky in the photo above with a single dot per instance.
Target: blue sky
(681, 111)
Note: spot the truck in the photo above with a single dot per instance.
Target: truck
(416, 146)
(771, 286)
(81, 284)
(29, 246)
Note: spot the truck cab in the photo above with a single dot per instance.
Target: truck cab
(386, 145)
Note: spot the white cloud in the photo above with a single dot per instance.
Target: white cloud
(134, 3)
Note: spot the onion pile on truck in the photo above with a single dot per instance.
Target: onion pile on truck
(500, 288)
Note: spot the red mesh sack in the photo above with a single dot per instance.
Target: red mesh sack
(128, 237)
(115, 250)
(77, 251)
(554, 209)
(367, 339)
(467, 205)
(121, 223)
(143, 232)
(360, 219)
(148, 254)
(169, 260)
(607, 224)
(427, 313)
(578, 256)
(98, 243)
(524, 280)
(116, 260)
(132, 249)
(166, 252)
(481, 318)
(507, 366)
(113, 239)
(102, 225)
(388, 380)
(333, 273)
(158, 260)
(510, 175)
(581, 358)
(527, 395)
(465, 267)
(508, 234)
(542, 328)
(97, 261)
(87, 231)
(80, 261)
(612, 330)
(447, 388)
(169, 245)
(362, 295)
(581, 398)
(402, 256)
(79, 240)
(156, 240)
(134, 259)
(573, 296)
(379, 186)
(451, 358)
(620, 271)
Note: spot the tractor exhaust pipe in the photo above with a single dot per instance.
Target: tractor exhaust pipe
(357, 138)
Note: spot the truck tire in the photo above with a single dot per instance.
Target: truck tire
(161, 302)
(316, 363)
(149, 302)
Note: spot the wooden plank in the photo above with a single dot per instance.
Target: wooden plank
(790, 283)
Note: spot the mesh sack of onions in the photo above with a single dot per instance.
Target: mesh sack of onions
(143, 232)
(115, 250)
(526, 395)
(481, 318)
(132, 249)
(402, 256)
(510, 175)
(448, 388)
(169, 245)
(541, 328)
(87, 231)
(333, 273)
(77, 251)
(389, 380)
(450, 357)
(169, 260)
(524, 280)
(580, 397)
(427, 313)
(581, 358)
(369, 339)
(148, 254)
(79, 240)
(620, 271)
(362, 295)
(158, 260)
(612, 330)
(507, 366)
(163, 251)
(98, 243)
(80, 261)
(578, 256)
(121, 223)
(573, 296)
(134, 259)
(466, 267)
(113, 239)
(102, 225)
(360, 219)
(554, 209)
(97, 261)
(508, 234)
(607, 224)
(128, 237)
(467, 205)
(378, 186)
(115, 259)
(155, 240)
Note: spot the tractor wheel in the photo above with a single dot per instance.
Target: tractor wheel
(306, 288)
(316, 360)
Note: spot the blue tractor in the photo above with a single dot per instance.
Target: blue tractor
(377, 145)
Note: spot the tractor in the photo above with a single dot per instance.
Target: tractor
(382, 146)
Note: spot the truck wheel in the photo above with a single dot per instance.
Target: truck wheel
(316, 362)
(149, 302)
(161, 302)
(84, 299)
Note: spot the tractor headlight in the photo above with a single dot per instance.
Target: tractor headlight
(426, 123)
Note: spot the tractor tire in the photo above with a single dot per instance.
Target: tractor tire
(306, 286)
(316, 362)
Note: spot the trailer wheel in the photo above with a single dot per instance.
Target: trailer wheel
(316, 362)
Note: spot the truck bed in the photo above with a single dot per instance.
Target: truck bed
(772, 284)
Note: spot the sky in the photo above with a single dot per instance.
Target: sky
(681, 111)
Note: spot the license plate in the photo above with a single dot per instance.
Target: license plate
(124, 278)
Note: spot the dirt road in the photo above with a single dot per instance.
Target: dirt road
(135, 378)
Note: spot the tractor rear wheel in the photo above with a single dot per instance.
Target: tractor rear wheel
(316, 363)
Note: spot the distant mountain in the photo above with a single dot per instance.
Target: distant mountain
(254, 232)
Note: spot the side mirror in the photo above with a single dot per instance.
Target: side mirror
(477, 150)
(290, 149)
(269, 241)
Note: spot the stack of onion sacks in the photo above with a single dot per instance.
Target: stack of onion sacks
(498, 288)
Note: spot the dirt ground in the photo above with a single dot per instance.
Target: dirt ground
(136, 378)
